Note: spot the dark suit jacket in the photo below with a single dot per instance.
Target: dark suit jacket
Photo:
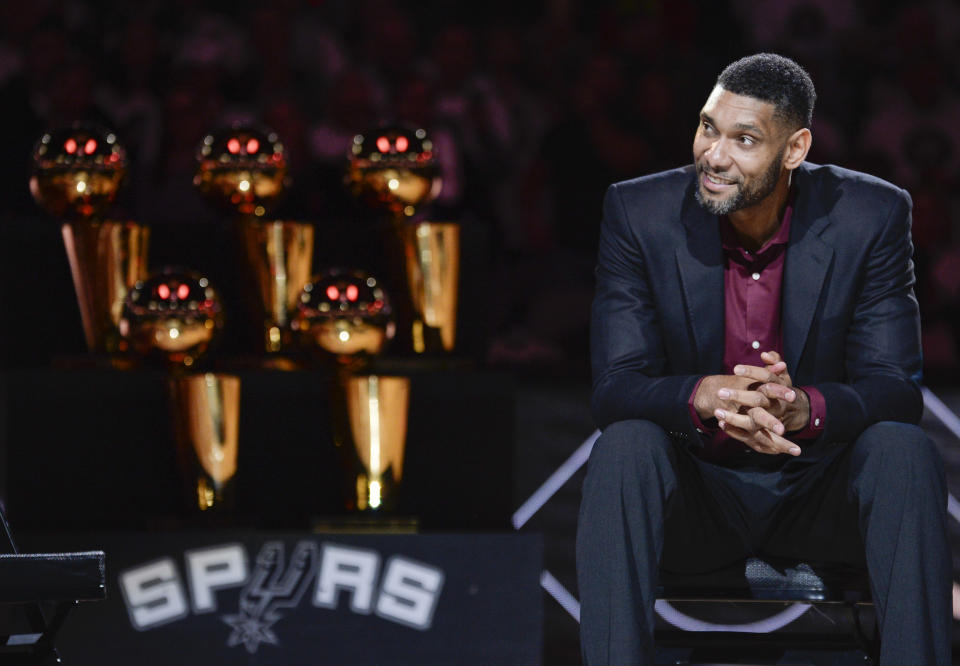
(850, 322)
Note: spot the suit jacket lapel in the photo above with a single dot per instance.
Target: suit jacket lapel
(700, 262)
(807, 262)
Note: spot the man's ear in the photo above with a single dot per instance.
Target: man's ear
(798, 145)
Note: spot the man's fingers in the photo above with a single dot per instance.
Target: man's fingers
(755, 419)
(760, 374)
(762, 440)
(778, 443)
(770, 357)
(775, 364)
(745, 398)
(766, 420)
(777, 392)
(777, 368)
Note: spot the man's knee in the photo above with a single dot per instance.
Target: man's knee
(902, 449)
(628, 443)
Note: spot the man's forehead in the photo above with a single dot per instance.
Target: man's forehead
(738, 108)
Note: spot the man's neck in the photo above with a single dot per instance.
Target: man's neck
(757, 224)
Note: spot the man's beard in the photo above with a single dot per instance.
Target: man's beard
(742, 197)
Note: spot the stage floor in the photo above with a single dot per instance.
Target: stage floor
(553, 421)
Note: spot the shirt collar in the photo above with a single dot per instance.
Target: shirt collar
(731, 245)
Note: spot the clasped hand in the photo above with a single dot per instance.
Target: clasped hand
(756, 406)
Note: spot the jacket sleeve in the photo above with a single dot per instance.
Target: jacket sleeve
(626, 349)
(883, 353)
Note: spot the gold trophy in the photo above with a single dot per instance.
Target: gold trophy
(206, 412)
(347, 315)
(433, 271)
(243, 170)
(395, 169)
(280, 256)
(77, 172)
(175, 315)
(376, 409)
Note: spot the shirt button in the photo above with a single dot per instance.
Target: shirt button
(756, 276)
(816, 422)
(755, 344)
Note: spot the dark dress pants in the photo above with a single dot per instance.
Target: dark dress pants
(648, 501)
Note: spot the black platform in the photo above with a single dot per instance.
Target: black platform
(297, 598)
(94, 449)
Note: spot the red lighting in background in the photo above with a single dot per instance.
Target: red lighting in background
(163, 291)
(183, 291)
(402, 144)
(70, 145)
(233, 145)
(333, 293)
(352, 292)
(383, 144)
(252, 146)
(90, 146)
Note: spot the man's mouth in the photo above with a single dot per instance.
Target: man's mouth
(716, 183)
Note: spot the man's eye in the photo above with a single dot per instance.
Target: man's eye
(747, 140)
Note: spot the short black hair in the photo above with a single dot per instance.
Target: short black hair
(775, 79)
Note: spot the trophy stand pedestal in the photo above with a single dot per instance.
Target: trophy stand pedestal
(366, 523)
(407, 365)
(281, 361)
(97, 362)
(102, 441)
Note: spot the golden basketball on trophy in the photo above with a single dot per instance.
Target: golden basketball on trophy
(76, 175)
(394, 169)
(77, 171)
(174, 314)
(345, 313)
(242, 170)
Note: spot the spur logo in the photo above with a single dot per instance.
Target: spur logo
(154, 593)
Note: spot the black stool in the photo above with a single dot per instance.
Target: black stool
(37, 592)
(758, 597)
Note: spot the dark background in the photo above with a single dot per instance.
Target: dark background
(535, 108)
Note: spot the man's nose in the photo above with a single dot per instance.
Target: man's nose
(717, 156)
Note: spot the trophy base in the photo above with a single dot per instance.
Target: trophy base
(408, 365)
(365, 524)
(96, 362)
(428, 340)
(283, 362)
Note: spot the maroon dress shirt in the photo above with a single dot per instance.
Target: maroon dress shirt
(752, 284)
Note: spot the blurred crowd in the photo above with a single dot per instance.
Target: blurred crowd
(534, 108)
